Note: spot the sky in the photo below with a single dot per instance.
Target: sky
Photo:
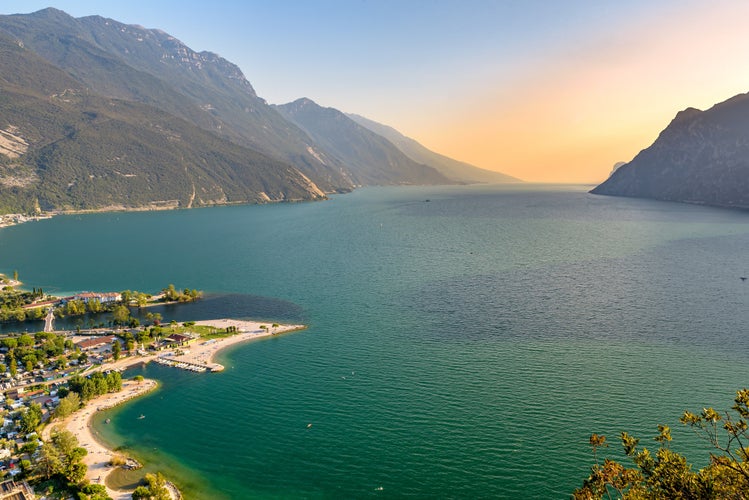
(546, 91)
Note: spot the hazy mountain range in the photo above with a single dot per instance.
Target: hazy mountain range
(701, 157)
(454, 170)
(98, 114)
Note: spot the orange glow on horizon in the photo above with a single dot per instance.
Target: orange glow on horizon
(571, 120)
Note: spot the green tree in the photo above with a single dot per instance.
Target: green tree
(62, 456)
(35, 313)
(74, 308)
(114, 381)
(76, 471)
(10, 343)
(116, 349)
(666, 473)
(29, 447)
(65, 442)
(31, 418)
(15, 275)
(25, 340)
(120, 315)
(94, 306)
(155, 488)
(49, 462)
(143, 337)
(93, 492)
(26, 466)
(170, 293)
(142, 493)
(68, 405)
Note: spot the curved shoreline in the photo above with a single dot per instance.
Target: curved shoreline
(203, 353)
(99, 456)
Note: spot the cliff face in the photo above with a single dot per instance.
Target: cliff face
(701, 157)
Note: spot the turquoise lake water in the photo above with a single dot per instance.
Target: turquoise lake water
(461, 347)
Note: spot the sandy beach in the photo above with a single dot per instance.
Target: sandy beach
(79, 423)
(201, 352)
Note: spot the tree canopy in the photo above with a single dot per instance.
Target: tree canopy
(665, 473)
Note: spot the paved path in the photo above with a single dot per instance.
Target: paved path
(49, 321)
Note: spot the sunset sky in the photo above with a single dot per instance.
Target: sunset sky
(546, 91)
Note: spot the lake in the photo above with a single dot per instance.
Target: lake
(463, 341)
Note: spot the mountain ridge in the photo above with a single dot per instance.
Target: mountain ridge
(701, 157)
(371, 158)
(176, 126)
(455, 170)
(202, 88)
(80, 151)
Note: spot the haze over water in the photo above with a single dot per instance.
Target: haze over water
(464, 346)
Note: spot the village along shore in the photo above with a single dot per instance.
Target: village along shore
(193, 353)
(191, 346)
(182, 346)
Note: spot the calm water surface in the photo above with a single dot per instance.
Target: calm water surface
(461, 347)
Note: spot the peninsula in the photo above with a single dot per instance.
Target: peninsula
(201, 352)
(55, 381)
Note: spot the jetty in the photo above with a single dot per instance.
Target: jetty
(184, 365)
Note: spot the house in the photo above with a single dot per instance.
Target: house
(179, 339)
(95, 342)
(32, 394)
(16, 490)
(104, 298)
(43, 303)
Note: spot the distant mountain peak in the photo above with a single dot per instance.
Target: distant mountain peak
(371, 158)
(304, 101)
(700, 157)
(454, 170)
(49, 12)
(687, 114)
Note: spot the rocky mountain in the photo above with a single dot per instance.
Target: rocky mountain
(64, 147)
(456, 171)
(149, 66)
(701, 157)
(95, 114)
(371, 159)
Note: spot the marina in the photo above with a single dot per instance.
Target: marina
(183, 365)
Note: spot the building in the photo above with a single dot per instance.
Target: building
(104, 298)
(95, 342)
(16, 490)
(178, 339)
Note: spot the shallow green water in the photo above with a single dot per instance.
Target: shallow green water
(463, 347)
